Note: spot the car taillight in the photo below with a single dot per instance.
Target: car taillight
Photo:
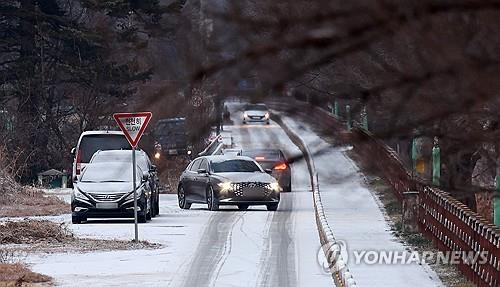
(281, 166)
(257, 158)
(78, 162)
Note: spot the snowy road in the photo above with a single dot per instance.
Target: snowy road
(203, 248)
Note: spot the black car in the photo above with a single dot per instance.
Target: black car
(275, 160)
(143, 162)
(171, 138)
(222, 180)
(106, 190)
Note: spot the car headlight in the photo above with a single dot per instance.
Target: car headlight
(226, 186)
(131, 195)
(157, 155)
(266, 115)
(274, 186)
(245, 115)
(79, 194)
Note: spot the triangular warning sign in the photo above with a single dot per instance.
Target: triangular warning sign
(133, 125)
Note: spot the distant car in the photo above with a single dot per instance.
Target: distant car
(256, 113)
(171, 138)
(143, 162)
(92, 141)
(231, 151)
(222, 180)
(275, 160)
(105, 190)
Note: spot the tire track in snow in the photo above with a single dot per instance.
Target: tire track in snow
(280, 268)
(211, 249)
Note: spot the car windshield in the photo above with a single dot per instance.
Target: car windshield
(235, 165)
(256, 107)
(100, 172)
(92, 143)
(101, 158)
(261, 155)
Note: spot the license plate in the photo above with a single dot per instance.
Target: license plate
(172, 151)
(106, 205)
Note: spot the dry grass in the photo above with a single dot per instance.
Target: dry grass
(20, 201)
(17, 200)
(18, 274)
(33, 231)
(35, 236)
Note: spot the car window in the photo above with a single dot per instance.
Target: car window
(235, 165)
(92, 143)
(196, 165)
(142, 159)
(204, 165)
(256, 107)
(110, 172)
(189, 166)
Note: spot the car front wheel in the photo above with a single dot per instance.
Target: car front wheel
(212, 200)
(181, 196)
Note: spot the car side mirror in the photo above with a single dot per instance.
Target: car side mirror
(268, 171)
(145, 176)
(73, 151)
(153, 167)
(202, 171)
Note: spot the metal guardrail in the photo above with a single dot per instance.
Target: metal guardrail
(451, 225)
(338, 268)
(213, 148)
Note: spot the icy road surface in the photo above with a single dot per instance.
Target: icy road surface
(203, 248)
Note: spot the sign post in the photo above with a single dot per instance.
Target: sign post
(133, 126)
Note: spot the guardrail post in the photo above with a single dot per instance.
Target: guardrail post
(348, 117)
(410, 212)
(436, 163)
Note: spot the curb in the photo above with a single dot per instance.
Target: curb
(339, 270)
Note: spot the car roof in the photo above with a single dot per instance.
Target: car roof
(120, 152)
(86, 133)
(221, 158)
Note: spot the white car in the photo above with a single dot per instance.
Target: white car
(256, 113)
(92, 141)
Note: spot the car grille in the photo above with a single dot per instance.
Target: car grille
(106, 197)
(240, 188)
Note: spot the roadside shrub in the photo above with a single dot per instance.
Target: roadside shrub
(33, 231)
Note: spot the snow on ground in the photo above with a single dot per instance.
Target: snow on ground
(355, 216)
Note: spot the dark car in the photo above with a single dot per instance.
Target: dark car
(221, 180)
(275, 160)
(106, 190)
(171, 138)
(143, 162)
